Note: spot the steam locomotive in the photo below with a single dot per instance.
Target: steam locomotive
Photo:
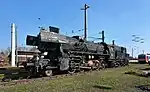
(63, 53)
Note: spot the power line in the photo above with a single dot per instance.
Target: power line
(71, 20)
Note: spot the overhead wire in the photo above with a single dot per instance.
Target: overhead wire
(68, 22)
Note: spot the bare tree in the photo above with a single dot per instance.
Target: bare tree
(33, 49)
(4, 54)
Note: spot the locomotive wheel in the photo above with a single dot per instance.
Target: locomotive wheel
(71, 71)
(117, 64)
(99, 66)
(72, 68)
(103, 66)
(113, 64)
(6, 79)
(48, 73)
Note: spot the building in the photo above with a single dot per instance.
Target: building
(1, 60)
(23, 54)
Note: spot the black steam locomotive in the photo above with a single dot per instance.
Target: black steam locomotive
(63, 53)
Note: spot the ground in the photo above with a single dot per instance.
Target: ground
(108, 80)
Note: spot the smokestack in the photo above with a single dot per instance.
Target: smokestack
(113, 42)
(103, 36)
(13, 45)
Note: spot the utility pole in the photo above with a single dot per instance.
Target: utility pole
(13, 47)
(132, 52)
(16, 47)
(85, 24)
(143, 51)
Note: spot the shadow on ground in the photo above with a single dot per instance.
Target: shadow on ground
(145, 88)
(145, 69)
(102, 87)
(136, 74)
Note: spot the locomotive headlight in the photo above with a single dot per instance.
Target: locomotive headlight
(92, 57)
(89, 57)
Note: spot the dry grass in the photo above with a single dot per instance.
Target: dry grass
(109, 80)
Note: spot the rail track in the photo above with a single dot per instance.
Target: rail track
(10, 82)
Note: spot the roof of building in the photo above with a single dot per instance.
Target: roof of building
(29, 51)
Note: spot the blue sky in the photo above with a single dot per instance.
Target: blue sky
(118, 18)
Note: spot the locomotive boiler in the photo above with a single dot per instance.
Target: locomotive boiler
(63, 53)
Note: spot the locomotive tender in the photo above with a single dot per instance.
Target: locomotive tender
(63, 53)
